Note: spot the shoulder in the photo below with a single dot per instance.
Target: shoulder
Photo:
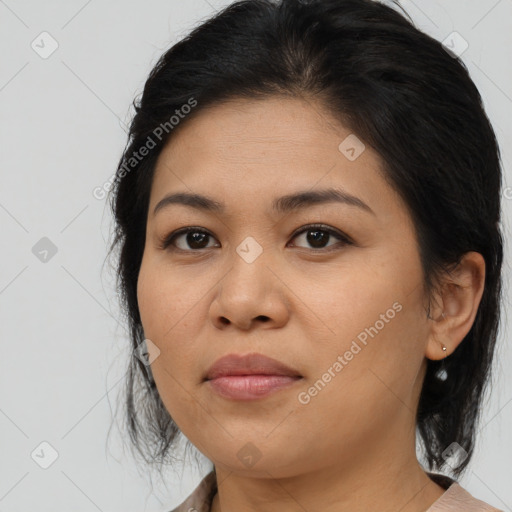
(457, 498)
(201, 498)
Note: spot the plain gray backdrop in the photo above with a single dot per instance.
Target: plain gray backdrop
(68, 75)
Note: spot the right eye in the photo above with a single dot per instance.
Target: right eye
(193, 237)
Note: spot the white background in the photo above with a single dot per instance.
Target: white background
(63, 353)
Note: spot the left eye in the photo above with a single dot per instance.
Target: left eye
(316, 235)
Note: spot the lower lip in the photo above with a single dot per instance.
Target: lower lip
(250, 387)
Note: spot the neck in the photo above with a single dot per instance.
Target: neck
(387, 486)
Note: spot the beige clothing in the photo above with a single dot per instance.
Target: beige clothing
(455, 498)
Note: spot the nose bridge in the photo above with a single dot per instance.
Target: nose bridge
(250, 250)
(249, 290)
(248, 267)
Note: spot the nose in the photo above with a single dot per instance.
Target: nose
(251, 293)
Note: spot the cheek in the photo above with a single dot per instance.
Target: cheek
(165, 300)
(362, 378)
(351, 302)
(146, 295)
(169, 306)
(163, 309)
(364, 328)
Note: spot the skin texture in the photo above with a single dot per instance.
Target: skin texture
(352, 446)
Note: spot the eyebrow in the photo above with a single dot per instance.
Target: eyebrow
(284, 204)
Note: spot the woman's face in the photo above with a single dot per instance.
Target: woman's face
(349, 318)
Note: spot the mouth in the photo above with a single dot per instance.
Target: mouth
(249, 377)
(250, 387)
(249, 364)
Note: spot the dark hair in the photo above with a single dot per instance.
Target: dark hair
(402, 93)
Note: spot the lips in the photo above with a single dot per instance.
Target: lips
(249, 377)
(250, 364)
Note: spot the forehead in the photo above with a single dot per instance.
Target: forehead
(246, 130)
(262, 149)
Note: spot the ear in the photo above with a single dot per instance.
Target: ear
(456, 306)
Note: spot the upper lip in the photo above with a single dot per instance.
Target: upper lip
(250, 364)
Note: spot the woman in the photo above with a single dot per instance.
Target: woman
(307, 213)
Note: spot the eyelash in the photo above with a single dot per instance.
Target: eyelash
(168, 240)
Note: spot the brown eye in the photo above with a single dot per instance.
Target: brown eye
(318, 236)
(189, 238)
